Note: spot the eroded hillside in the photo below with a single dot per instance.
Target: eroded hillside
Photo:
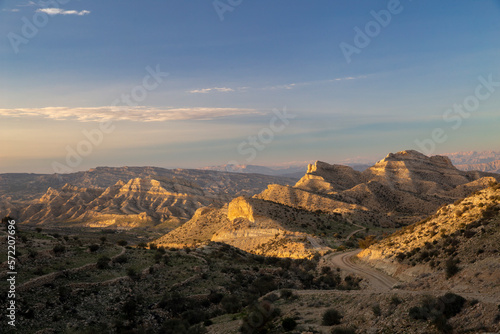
(125, 197)
(458, 247)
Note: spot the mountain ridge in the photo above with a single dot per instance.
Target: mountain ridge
(398, 190)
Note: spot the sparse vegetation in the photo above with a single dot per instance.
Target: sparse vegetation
(438, 310)
(331, 317)
(289, 324)
(451, 267)
(367, 242)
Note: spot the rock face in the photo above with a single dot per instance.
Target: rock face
(466, 234)
(324, 178)
(398, 190)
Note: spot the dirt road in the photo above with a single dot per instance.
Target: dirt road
(378, 281)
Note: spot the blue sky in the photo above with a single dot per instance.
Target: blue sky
(225, 78)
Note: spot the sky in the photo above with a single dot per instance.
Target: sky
(187, 84)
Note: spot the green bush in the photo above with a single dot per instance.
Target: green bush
(58, 249)
(341, 330)
(132, 273)
(438, 310)
(331, 317)
(451, 267)
(194, 317)
(395, 300)
(231, 304)
(122, 243)
(103, 262)
(287, 294)
(121, 259)
(289, 324)
(259, 318)
(94, 248)
(376, 310)
(367, 242)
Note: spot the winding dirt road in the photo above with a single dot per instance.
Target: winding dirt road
(381, 283)
(346, 261)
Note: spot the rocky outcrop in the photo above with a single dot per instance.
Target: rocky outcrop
(240, 208)
(325, 178)
(251, 224)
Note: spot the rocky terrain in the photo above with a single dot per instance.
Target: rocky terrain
(71, 283)
(271, 261)
(126, 197)
(316, 213)
(457, 248)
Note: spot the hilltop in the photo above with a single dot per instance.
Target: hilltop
(329, 203)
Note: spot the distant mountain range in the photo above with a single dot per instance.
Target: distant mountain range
(486, 161)
(124, 197)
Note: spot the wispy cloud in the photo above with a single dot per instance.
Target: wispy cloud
(288, 86)
(310, 83)
(136, 114)
(209, 90)
(10, 10)
(59, 11)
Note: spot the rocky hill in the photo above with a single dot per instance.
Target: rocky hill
(398, 190)
(457, 247)
(258, 226)
(329, 203)
(123, 197)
